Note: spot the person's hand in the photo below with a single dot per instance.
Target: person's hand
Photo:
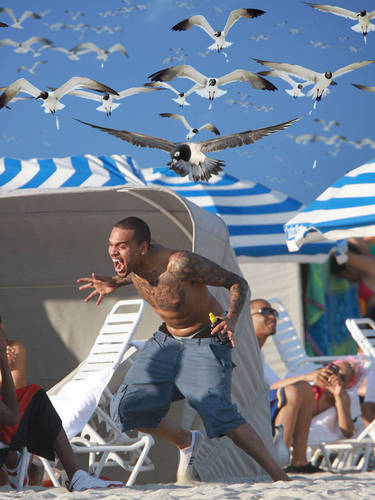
(225, 327)
(322, 376)
(11, 354)
(102, 286)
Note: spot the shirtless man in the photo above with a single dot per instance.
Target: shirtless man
(183, 358)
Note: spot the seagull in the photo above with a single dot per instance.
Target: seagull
(218, 35)
(364, 87)
(72, 54)
(33, 67)
(86, 47)
(107, 104)
(192, 131)
(326, 126)
(51, 100)
(363, 17)
(295, 91)
(189, 157)
(181, 96)
(321, 81)
(209, 87)
(18, 22)
(24, 47)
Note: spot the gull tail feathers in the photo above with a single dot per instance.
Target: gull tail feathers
(224, 46)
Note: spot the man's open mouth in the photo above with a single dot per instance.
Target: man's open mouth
(119, 265)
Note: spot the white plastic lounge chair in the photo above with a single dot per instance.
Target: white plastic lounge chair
(363, 332)
(25, 458)
(82, 402)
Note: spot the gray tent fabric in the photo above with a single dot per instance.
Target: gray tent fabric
(54, 237)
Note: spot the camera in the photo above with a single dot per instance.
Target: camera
(333, 368)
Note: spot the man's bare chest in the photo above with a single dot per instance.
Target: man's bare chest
(166, 292)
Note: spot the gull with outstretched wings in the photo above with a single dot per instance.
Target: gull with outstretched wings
(209, 86)
(17, 22)
(51, 100)
(191, 130)
(102, 54)
(296, 90)
(181, 96)
(189, 157)
(363, 17)
(321, 81)
(219, 35)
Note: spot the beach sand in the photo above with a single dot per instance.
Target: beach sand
(307, 487)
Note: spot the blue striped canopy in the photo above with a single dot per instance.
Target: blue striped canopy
(254, 214)
(345, 210)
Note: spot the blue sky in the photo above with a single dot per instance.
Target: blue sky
(301, 161)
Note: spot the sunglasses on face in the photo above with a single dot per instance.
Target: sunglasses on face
(266, 311)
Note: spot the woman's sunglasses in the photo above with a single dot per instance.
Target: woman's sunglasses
(266, 311)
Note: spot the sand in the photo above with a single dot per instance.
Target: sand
(307, 487)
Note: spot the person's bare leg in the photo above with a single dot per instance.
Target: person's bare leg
(368, 412)
(171, 432)
(65, 453)
(287, 415)
(246, 438)
(302, 427)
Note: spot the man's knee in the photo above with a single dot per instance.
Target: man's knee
(293, 395)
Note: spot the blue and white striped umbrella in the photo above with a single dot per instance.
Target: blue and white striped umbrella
(346, 209)
(254, 214)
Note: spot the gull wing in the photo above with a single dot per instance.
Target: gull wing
(182, 71)
(8, 41)
(29, 13)
(181, 118)
(9, 12)
(294, 69)
(256, 81)
(85, 95)
(79, 82)
(3, 25)
(120, 47)
(134, 90)
(235, 15)
(160, 85)
(141, 140)
(210, 127)
(199, 21)
(20, 85)
(88, 46)
(364, 87)
(333, 9)
(284, 76)
(38, 39)
(242, 138)
(351, 67)
(371, 14)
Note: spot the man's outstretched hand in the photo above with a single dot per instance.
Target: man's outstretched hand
(102, 285)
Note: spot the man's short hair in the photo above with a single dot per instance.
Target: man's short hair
(139, 226)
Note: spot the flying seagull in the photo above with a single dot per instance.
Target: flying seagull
(24, 47)
(181, 96)
(219, 35)
(32, 68)
(86, 47)
(296, 90)
(17, 23)
(363, 17)
(192, 131)
(51, 100)
(364, 87)
(321, 81)
(107, 104)
(209, 87)
(189, 157)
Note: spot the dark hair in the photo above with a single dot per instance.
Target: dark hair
(139, 226)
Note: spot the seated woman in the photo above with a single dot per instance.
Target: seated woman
(28, 418)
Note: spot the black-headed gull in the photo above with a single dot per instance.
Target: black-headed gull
(24, 47)
(209, 86)
(219, 35)
(321, 81)
(102, 54)
(17, 23)
(181, 96)
(363, 17)
(32, 68)
(364, 87)
(192, 130)
(189, 157)
(51, 100)
(296, 90)
(107, 104)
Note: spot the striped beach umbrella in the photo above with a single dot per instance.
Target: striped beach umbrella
(346, 209)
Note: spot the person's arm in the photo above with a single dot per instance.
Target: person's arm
(9, 413)
(188, 266)
(341, 400)
(363, 263)
(102, 285)
(318, 377)
(18, 364)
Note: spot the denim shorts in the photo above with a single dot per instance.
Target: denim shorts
(167, 369)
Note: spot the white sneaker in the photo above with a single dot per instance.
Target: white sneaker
(13, 474)
(82, 480)
(187, 458)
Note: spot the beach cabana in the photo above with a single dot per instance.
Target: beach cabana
(53, 236)
(344, 210)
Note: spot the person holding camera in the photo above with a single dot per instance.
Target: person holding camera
(298, 399)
